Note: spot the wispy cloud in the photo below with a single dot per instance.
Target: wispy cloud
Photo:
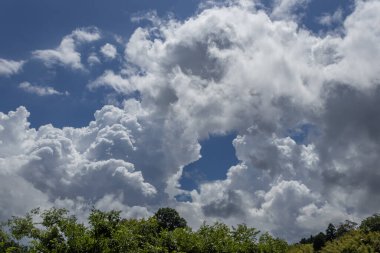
(40, 90)
(114, 81)
(93, 59)
(10, 67)
(329, 19)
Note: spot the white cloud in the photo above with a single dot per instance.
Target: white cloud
(358, 49)
(66, 54)
(62, 164)
(9, 67)
(93, 59)
(109, 51)
(228, 69)
(15, 133)
(40, 90)
(331, 19)
(116, 82)
(284, 9)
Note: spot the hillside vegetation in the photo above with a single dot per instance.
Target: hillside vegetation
(55, 230)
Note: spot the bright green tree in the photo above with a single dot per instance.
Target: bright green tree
(269, 244)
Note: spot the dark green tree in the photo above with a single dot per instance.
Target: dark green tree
(371, 224)
(168, 218)
(309, 240)
(319, 241)
(345, 227)
(103, 227)
(330, 232)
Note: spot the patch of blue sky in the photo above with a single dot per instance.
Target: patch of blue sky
(29, 25)
(319, 8)
(183, 198)
(310, 14)
(302, 133)
(218, 155)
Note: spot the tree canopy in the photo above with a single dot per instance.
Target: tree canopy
(55, 230)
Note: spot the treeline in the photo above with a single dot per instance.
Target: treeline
(346, 237)
(54, 230)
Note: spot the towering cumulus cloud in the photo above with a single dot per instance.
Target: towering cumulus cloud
(304, 107)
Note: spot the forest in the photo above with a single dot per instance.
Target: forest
(55, 230)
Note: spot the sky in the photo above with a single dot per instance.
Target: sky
(263, 112)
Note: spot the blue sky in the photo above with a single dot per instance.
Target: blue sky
(28, 26)
(228, 104)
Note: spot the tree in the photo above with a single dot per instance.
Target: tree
(7, 244)
(309, 240)
(245, 238)
(300, 248)
(57, 232)
(371, 224)
(345, 227)
(319, 241)
(268, 244)
(354, 241)
(168, 218)
(330, 232)
(186, 240)
(216, 238)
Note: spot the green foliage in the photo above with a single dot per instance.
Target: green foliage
(57, 232)
(345, 227)
(309, 240)
(168, 218)
(330, 232)
(301, 248)
(355, 241)
(245, 238)
(268, 244)
(22, 226)
(319, 241)
(186, 241)
(54, 230)
(7, 244)
(371, 224)
(215, 238)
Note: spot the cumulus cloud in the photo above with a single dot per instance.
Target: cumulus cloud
(264, 78)
(40, 90)
(9, 67)
(56, 166)
(109, 51)
(66, 53)
(229, 68)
